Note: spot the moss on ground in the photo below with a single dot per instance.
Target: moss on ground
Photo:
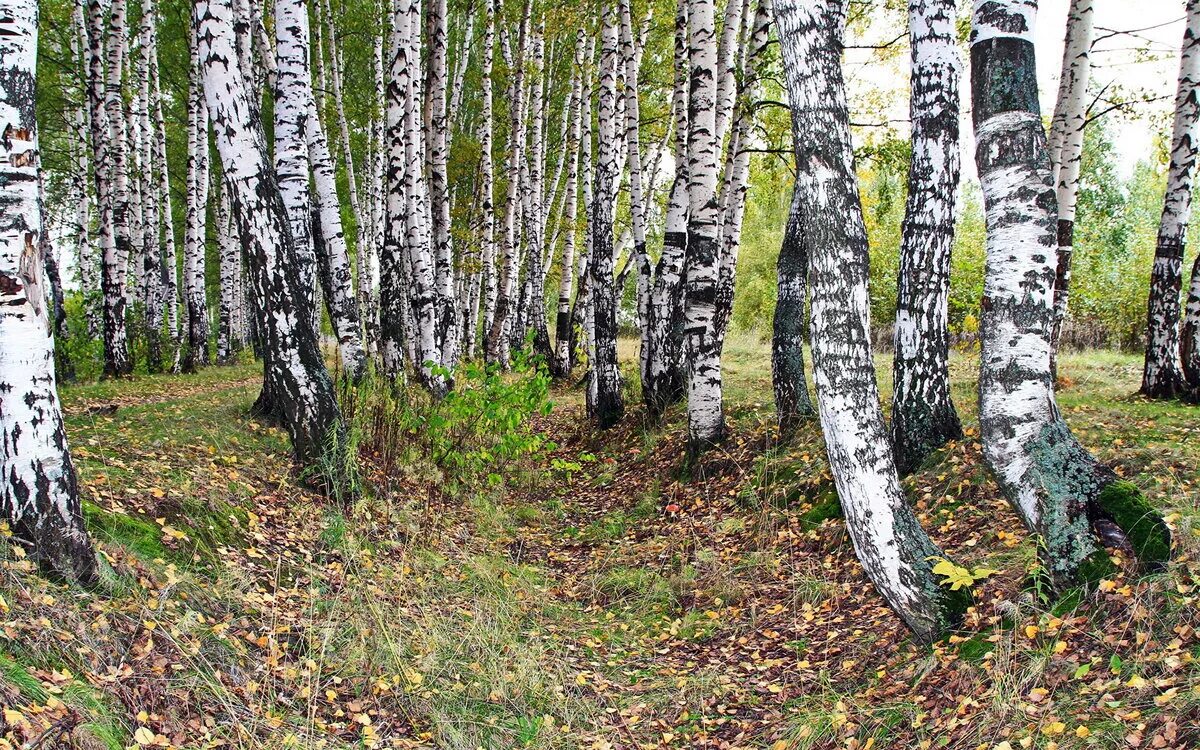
(1148, 534)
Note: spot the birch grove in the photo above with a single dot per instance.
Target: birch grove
(441, 206)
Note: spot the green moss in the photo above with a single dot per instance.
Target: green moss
(827, 507)
(1095, 568)
(954, 605)
(1148, 534)
(142, 536)
(975, 648)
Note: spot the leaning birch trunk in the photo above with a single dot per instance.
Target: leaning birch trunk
(662, 338)
(894, 550)
(562, 324)
(706, 418)
(293, 90)
(1070, 118)
(1054, 484)
(923, 416)
(39, 493)
(1162, 375)
(302, 391)
(196, 351)
(607, 406)
(333, 256)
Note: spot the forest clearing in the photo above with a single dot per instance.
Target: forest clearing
(567, 607)
(603, 374)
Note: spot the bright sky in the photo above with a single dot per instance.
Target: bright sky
(1128, 65)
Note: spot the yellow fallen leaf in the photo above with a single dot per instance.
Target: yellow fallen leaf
(143, 736)
(1081, 731)
(1054, 727)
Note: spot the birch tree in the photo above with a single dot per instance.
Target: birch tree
(562, 326)
(663, 381)
(229, 255)
(117, 362)
(487, 177)
(1054, 484)
(607, 405)
(793, 405)
(1162, 375)
(923, 416)
(1066, 152)
(300, 387)
(195, 354)
(293, 91)
(39, 493)
(895, 552)
(706, 419)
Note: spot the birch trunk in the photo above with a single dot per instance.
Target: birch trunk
(333, 256)
(533, 307)
(230, 262)
(117, 362)
(1190, 343)
(893, 548)
(39, 496)
(562, 325)
(168, 268)
(1054, 484)
(154, 297)
(487, 177)
(85, 252)
(1070, 119)
(499, 333)
(299, 384)
(633, 161)
(64, 369)
(607, 405)
(293, 91)
(923, 416)
(1162, 376)
(706, 419)
(793, 405)
(196, 352)
(662, 338)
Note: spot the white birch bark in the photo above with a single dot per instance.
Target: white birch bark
(894, 550)
(87, 259)
(498, 339)
(1162, 375)
(562, 327)
(1053, 483)
(293, 91)
(299, 385)
(39, 497)
(923, 416)
(229, 255)
(447, 328)
(333, 255)
(607, 405)
(706, 419)
(195, 295)
(1070, 119)
(487, 177)
(663, 381)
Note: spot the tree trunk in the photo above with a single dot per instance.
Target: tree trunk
(1162, 376)
(64, 369)
(103, 96)
(662, 337)
(299, 384)
(196, 352)
(333, 257)
(1054, 484)
(498, 334)
(39, 496)
(562, 324)
(487, 178)
(706, 419)
(608, 406)
(154, 297)
(923, 416)
(85, 253)
(293, 92)
(1190, 344)
(793, 405)
(231, 272)
(633, 162)
(1066, 152)
(894, 550)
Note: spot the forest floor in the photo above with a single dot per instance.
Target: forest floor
(600, 596)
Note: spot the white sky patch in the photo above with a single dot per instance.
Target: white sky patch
(1144, 63)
